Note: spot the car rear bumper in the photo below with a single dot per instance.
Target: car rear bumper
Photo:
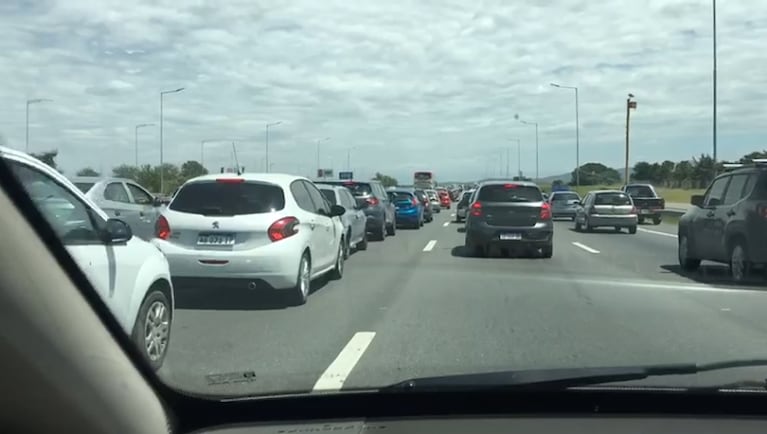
(275, 265)
(621, 221)
(563, 212)
(541, 234)
(460, 213)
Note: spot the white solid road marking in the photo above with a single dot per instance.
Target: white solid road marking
(665, 234)
(430, 245)
(452, 215)
(334, 377)
(446, 224)
(585, 247)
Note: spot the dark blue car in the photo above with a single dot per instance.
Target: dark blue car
(408, 209)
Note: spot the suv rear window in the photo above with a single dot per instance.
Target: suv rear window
(358, 189)
(639, 191)
(509, 193)
(227, 199)
(401, 195)
(564, 196)
(614, 199)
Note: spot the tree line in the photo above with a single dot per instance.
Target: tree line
(697, 172)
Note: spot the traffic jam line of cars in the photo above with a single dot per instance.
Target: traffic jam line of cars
(271, 232)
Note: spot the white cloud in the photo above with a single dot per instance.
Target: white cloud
(411, 83)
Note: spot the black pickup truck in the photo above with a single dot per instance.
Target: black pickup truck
(648, 203)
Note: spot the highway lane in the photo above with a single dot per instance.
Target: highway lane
(414, 305)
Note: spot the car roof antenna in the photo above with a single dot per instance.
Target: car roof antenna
(236, 161)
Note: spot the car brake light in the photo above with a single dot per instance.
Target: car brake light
(508, 186)
(415, 202)
(761, 210)
(162, 228)
(373, 201)
(283, 228)
(476, 209)
(545, 211)
(230, 180)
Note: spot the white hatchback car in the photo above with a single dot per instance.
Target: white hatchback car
(259, 230)
(131, 275)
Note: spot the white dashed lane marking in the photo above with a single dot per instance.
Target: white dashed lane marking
(430, 245)
(336, 374)
(650, 231)
(585, 247)
(446, 224)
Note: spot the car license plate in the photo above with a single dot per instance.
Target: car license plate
(645, 211)
(511, 236)
(215, 239)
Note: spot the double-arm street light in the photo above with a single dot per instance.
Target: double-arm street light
(162, 161)
(536, 142)
(273, 124)
(135, 139)
(577, 135)
(30, 102)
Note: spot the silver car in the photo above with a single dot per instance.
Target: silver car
(564, 204)
(612, 208)
(436, 205)
(463, 205)
(124, 199)
(354, 219)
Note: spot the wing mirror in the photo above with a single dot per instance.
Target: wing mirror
(117, 232)
(337, 210)
(697, 200)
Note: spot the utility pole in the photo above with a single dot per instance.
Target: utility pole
(629, 105)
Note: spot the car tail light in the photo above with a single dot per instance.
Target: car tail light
(761, 210)
(373, 201)
(283, 228)
(545, 211)
(633, 210)
(415, 202)
(230, 180)
(509, 186)
(162, 228)
(476, 209)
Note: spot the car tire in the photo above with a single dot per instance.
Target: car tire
(380, 235)
(640, 220)
(547, 251)
(656, 220)
(578, 226)
(684, 252)
(572, 219)
(739, 265)
(391, 229)
(154, 321)
(338, 271)
(589, 228)
(617, 229)
(363, 244)
(300, 292)
(632, 230)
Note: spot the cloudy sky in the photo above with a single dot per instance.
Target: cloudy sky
(400, 85)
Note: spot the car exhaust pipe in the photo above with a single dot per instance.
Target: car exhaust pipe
(251, 285)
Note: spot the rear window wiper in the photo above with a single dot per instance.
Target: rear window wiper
(564, 378)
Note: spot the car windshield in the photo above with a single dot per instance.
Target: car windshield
(612, 199)
(228, 199)
(564, 197)
(266, 156)
(509, 193)
(639, 191)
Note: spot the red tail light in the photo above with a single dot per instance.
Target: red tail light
(283, 228)
(633, 210)
(162, 228)
(545, 211)
(373, 201)
(761, 210)
(476, 209)
(415, 202)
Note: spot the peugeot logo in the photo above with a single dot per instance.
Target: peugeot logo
(215, 225)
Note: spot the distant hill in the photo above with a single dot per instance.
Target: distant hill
(565, 177)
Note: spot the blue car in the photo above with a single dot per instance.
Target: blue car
(408, 208)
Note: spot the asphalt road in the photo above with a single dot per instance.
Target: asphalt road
(414, 305)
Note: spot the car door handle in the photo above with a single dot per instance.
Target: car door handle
(710, 214)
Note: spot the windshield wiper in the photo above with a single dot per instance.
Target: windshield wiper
(563, 378)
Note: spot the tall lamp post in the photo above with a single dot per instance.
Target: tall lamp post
(629, 105)
(519, 158)
(162, 161)
(349, 157)
(135, 139)
(536, 142)
(577, 135)
(273, 124)
(714, 25)
(318, 154)
(30, 102)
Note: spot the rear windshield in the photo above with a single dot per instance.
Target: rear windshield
(84, 186)
(330, 195)
(565, 196)
(612, 199)
(466, 195)
(226, 199)
(359, 189)
(399, 196)
(509, 193)
(639, 191)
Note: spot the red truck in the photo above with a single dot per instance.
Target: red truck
(648, 203)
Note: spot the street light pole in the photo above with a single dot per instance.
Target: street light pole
(162, 161)
(629, 105)
(135, 139)
(519, 159)
(577, 135)
(268, 166)
(714, 24)
(318, 154)
(29, 102)
(536, 142)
